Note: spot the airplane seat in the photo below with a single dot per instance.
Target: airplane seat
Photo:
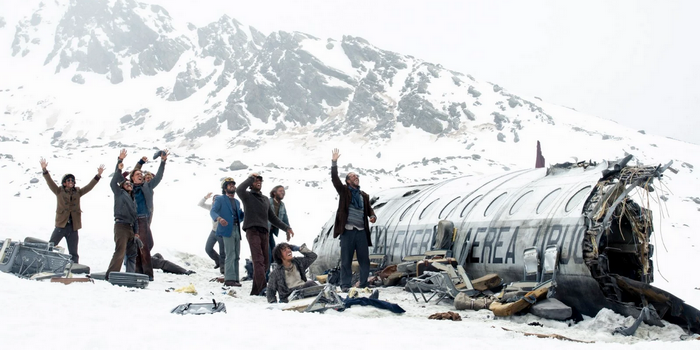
(438, 254)
(551, 263)
(531, 261)
(447, 283)
(377, 262)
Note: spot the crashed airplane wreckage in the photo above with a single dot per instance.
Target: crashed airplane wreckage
(579, 217)
(34, 258)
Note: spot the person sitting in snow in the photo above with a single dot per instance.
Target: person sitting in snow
(290, 273)
(68, 207)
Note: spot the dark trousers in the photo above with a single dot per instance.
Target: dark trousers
(352, 241)
(269, 253)
(71, 237)
(259, 243)
(220, 257)
(123, 234)
(143, 255)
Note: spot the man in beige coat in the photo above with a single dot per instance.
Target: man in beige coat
(68, 207)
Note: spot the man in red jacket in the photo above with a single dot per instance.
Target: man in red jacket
(352, 224)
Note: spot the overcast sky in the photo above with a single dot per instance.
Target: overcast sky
(634, 62)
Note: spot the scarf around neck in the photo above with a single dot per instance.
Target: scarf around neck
(356, 200)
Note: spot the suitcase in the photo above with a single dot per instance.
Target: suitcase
(199, 308)
(128, 279)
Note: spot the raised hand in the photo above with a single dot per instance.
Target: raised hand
(208, 195)
(43, 163)
(336, 154)
(164, 155)
(101, 169)
(122, 154)
(144, 159)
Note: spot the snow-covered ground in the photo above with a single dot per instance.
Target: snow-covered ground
(99, 315)
(77, 128)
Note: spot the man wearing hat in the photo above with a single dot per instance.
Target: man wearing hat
(68, 207)
(227, 213)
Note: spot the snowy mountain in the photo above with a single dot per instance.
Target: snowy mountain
(82, 79)
(227, 76)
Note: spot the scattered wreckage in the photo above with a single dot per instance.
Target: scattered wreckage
(37, 259)
(571, 233)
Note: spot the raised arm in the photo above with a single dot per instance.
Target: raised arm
(339, 187)
(93, 182)
(203, 204)
(161, 168)
(241, 190)
(49, 181)
(117, 177)
(140, 163)
(309, 257)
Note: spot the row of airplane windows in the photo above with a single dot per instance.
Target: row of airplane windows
(498, 201)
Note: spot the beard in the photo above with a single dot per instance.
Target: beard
(230, 191)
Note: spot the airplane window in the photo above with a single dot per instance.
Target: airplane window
(495, 204)
(469, 206)
(411, 192)
(407, 209)
(519, 203)
(577, 198)
(379, 205)
(422, 213)
(548, 200)
(446, 210)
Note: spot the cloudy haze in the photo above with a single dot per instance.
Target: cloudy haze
(634, 62)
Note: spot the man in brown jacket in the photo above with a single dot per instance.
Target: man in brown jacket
(68, 207)
(352, 224)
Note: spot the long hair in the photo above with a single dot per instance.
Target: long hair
(274, 189)
(277, 252)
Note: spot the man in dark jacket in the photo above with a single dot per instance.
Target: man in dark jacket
(351, 224)
(124, 215)
(257, 214)
(143, 194)
(227, 213)
(68, 220)
(290, 273)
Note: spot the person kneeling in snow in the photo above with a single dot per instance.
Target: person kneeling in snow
(289, 275)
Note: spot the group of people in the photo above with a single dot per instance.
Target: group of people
(259, 216)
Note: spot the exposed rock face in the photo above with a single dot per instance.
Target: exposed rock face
(78, 79)
(255, 84)
(98, 38)
(237, 165)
